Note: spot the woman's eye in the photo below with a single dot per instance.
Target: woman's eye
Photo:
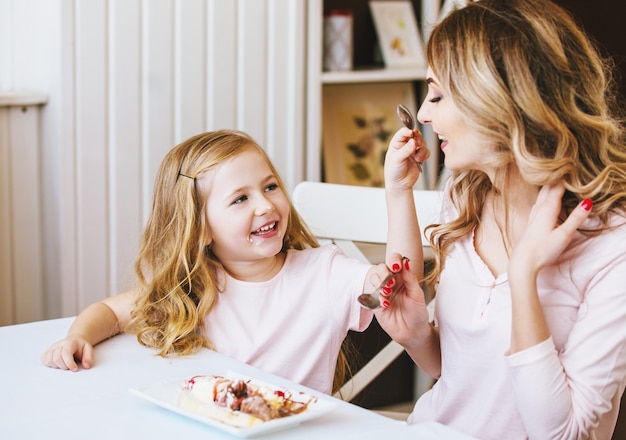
(435, 100)
(271, 187)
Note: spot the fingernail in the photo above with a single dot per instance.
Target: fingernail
(390, 283)
(395, 267)
(406, 264)
(385, 291)
(586, 204)
(386, 304)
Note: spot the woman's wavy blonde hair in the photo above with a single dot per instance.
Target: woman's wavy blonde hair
(530, 81)
(177, 272)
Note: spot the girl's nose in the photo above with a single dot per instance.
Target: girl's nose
(264, 207)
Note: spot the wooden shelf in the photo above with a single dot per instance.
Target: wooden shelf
(374, 75)
(9, 98)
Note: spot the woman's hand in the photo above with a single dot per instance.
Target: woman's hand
(406, 149)
(404, 315)
(544, 240)
(64, 354)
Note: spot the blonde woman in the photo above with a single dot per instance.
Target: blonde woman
(226, 263)
(529, 336)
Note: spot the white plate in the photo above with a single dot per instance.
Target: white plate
(165, 394)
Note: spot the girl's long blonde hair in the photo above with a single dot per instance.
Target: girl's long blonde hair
(528, 79)
(177, 272)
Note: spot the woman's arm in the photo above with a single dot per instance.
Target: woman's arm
(565, 392)
(541, 244)
(406, 320)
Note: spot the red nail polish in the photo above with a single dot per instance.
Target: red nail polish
(395, 267)
(386, 304)
(385, 291)
(586, 204)
(406, 264)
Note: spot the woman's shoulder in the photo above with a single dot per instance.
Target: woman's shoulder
(613, 229)
(603, 241)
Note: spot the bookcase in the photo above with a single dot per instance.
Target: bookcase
(368, 71)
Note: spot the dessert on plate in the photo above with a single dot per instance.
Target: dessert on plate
(238, 402)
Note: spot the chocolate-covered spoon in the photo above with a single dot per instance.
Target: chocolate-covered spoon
(371, 300)
(409, 122)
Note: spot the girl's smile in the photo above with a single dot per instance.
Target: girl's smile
(267, 231)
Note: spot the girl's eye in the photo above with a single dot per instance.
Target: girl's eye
(435, 100)
(271, 187)
(240, 200)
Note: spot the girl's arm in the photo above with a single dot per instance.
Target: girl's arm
(96, 323)
(405, 317)
(406, 149)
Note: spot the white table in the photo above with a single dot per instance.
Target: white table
(40, 402)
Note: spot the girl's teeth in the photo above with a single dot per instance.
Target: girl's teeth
(266, 228)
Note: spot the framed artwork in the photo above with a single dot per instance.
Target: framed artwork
(450, 5)
(398, 34)
(358, 123)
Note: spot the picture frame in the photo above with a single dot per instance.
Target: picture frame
(451, 5)
(398, 33)
(359, 120)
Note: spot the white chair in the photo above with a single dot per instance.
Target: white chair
(345, 215)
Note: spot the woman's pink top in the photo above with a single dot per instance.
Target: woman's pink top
(568, 386)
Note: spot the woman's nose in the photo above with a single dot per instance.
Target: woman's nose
(423, 115)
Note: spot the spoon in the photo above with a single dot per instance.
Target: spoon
(371, 300)
(409, 122)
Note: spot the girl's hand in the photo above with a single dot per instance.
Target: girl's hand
(544, 239)
(64, 354)
(406, 149)
(404, 312)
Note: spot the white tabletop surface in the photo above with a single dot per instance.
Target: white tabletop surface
(40, 402)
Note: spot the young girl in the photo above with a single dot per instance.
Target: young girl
(529, 338)
(227, 263)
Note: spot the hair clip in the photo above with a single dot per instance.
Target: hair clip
(185, 175)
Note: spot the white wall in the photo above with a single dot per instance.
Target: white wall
(126, 80)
